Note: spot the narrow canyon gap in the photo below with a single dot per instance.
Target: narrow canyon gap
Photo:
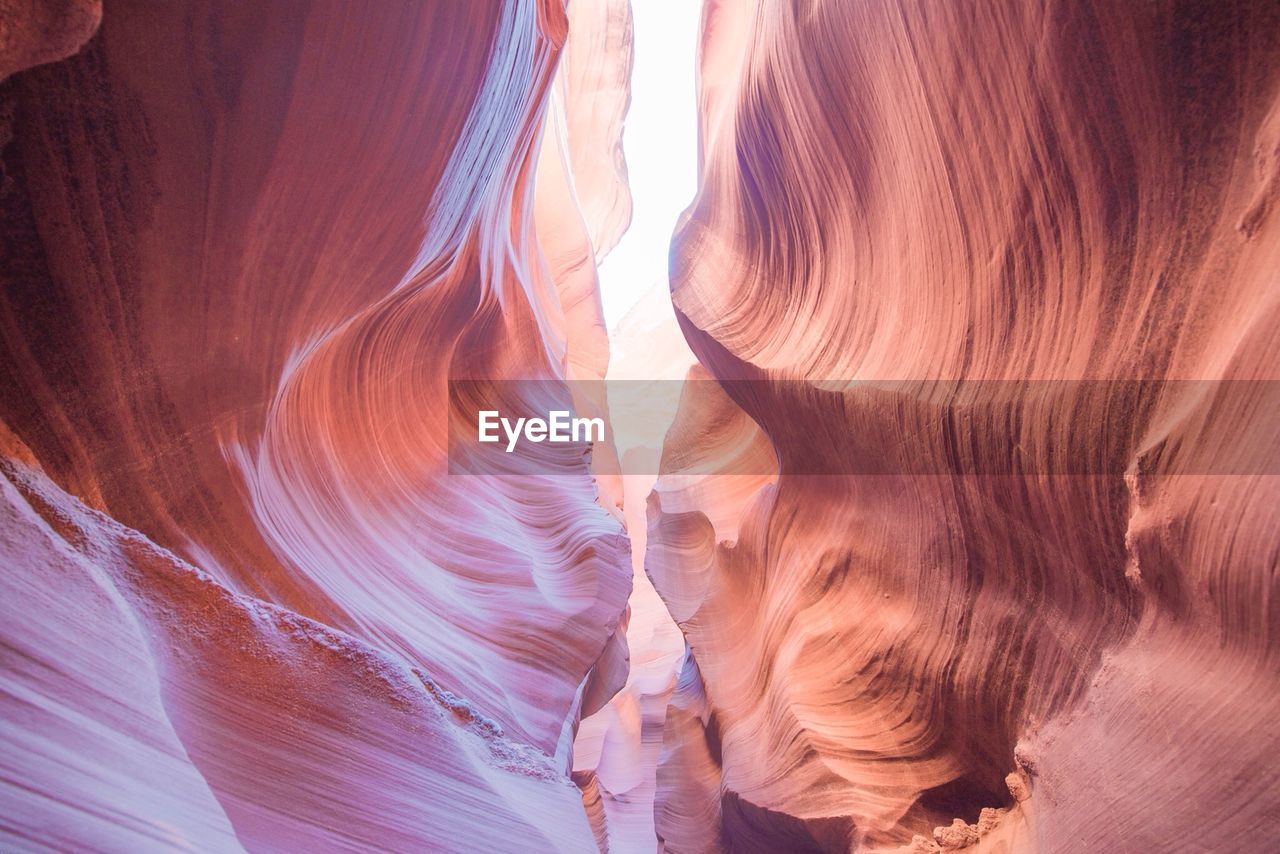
(618, 748)
(935, 348)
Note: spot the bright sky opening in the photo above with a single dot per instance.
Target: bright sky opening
(660, 140)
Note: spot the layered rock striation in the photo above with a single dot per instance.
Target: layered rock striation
(1017, 209)
(247, 248)
(966, 525)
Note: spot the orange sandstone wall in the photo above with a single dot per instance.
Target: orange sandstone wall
(247, 246)
(979, 192)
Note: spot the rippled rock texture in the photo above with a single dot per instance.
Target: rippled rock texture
(246, 247)
(899, 190)
(243, 605)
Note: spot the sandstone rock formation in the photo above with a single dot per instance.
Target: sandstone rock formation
(964, 536)
(1022, 193)
(246, 247)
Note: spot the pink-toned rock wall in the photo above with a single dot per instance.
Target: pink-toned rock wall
(33, 32)
(1018, 192)
(942, 574)
(247, 247)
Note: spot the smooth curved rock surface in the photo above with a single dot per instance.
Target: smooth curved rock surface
(180, 716)
(247, 247)
(908, 190)
(245, 606)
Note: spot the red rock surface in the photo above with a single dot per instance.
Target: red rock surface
(33, 32)
(247, 245)
(244, 605)
(924, 191)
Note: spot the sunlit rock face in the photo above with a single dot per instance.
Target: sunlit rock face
(247, 246)
(1060, 662)
(147, 707)
(243, 605)
(593, 81)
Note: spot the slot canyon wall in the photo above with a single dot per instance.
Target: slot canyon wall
(244, 605)
(932, 652)
(246, 247)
